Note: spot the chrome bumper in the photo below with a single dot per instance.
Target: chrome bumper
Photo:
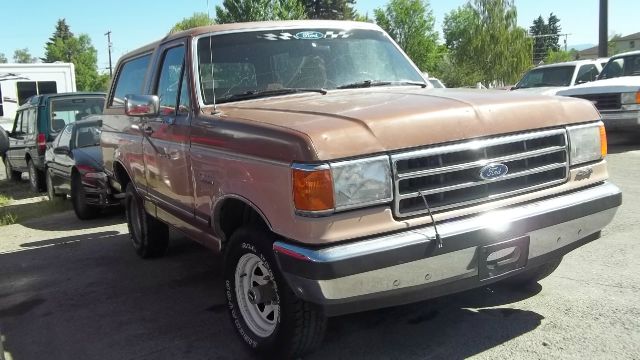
(621, 119)
(407, 267)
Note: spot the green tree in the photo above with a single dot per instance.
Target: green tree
(259, 10)
(485, 42)
(411, 24)
(195, 20)
(23, 56)
(330, 9)
(3, 58)
(559, 56)
(545, 36)
(66, 47)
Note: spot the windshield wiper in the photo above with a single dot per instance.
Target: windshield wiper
(255, 94)
(371, 83)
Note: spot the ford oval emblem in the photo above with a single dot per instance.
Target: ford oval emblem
(309, 35)
(493, 171)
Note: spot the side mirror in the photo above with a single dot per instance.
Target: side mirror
(141, 105)
(61, 150)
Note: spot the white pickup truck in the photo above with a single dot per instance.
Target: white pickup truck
(549, 79)
(616, 93)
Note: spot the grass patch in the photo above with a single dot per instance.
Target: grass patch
(13, 210)
(12, 214)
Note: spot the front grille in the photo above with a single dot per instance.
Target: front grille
(603, 101)
(449, 176)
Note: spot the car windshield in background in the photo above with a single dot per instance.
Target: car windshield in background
(622, 66)
(269, 63)
(549, 76)
(68, 110)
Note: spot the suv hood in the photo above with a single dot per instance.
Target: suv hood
(614, 85)
(345, 123)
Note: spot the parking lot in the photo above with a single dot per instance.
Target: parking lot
(76, 290)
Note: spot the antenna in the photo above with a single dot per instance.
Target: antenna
(439, 242)
(213, 83)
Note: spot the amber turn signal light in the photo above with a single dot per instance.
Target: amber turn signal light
(603, 141)
(312, 190)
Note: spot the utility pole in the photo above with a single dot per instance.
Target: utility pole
(602, 41)
(108, 35)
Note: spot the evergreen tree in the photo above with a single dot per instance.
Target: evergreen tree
(66, 47)
(545, 36)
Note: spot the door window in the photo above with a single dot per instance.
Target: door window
(587, 73)
(169, 81)
(130, 80)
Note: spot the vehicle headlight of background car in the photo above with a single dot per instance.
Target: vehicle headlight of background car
(336, 186)
(587, 143)
(630, 100)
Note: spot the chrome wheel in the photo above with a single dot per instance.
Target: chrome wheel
(251, 274)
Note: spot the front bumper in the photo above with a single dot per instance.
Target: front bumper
(407, 267)
(621, 119)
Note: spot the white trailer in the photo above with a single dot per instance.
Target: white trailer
(18, 82)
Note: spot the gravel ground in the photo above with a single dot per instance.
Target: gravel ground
(75, 290)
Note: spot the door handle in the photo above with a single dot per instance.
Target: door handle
(148, 130)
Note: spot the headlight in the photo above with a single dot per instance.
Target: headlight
(630, 97)
(361, 182)
(587, 143)
(325, 188)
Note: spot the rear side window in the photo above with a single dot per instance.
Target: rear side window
(587, 73)
(65, 137)
(67, 110)
(130, 80)
(30, 120)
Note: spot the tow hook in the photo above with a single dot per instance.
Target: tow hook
(262, 294)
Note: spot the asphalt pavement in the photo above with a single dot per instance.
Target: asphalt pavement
(76, 290)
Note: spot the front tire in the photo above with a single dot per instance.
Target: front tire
(83, 210)
(11, 174)
(51, 191)
(149, 236)
(36, 178)
(282, 327)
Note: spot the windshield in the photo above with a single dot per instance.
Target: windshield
(267, 61)
(622, 66)
(550, 76)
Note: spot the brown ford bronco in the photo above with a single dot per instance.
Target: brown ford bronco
(313, 156)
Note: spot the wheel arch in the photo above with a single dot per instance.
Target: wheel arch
(233, 211)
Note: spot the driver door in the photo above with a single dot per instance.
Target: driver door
(166, 144)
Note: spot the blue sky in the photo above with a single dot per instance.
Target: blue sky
(135, 23)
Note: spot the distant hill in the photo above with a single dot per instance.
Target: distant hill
(580, 47)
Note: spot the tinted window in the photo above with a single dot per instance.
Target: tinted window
(550, 76)
(87, 136)
(185, 103)
(169, 81)
(67, 110)
(622, 66)
(130, 79)
(47, 87)
(65, 136)
(587, 73)
(26, 89)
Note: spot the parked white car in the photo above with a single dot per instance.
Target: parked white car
(549, 79)
(616, 93)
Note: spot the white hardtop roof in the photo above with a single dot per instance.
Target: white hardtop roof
(635, 52)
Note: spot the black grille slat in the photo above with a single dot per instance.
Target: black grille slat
(449, 179)
(603, 101)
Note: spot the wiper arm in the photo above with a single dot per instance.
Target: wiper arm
(254, 94)
(371, 83)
